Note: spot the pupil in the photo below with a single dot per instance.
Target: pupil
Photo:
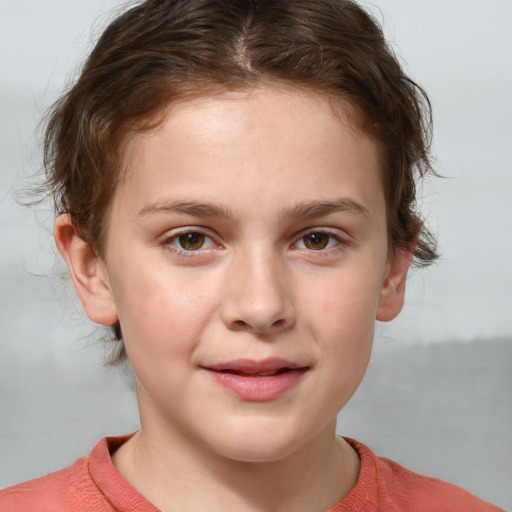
(191, 241)
(316, 238)
(316, 241)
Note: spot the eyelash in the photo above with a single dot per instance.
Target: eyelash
(174, 238)
(340, 243)
(169, 241)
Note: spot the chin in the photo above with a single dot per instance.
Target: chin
(259, 452)
(259, 442)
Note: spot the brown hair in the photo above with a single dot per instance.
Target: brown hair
(163, 50)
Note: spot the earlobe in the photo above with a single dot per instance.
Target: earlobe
(392, 294)
(88, 272)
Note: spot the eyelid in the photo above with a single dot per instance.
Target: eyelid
(173, 235)
(331, 232)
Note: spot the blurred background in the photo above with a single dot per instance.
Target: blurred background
(438, 393)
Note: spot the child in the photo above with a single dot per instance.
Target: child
(235, 189)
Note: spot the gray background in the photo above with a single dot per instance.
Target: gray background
(438, 393)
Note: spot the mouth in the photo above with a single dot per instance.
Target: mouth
(257, 381)
(268, 373)
(250, 368)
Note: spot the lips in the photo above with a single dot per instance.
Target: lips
(259, 374)
(257, 380)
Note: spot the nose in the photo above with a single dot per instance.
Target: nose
(258, 297)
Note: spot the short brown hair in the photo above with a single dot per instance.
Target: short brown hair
(160, 51)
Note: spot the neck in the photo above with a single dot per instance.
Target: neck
(175, 472)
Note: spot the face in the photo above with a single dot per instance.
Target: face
(247, 261)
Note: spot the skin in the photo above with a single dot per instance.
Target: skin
(290, 260)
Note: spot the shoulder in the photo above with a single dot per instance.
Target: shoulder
(405, 486)
(395, 488)
(48, 493)
(66, 490)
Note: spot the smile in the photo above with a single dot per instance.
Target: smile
(257, 381)
(259, 374)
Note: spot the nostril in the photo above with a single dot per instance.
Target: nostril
(240, 324)
(279, 323)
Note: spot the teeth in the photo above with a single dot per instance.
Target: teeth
(272, 372)
(268, 373)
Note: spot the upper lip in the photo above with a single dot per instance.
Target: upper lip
(252, 367)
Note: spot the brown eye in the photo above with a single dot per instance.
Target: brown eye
(191, 241)
(316, 241)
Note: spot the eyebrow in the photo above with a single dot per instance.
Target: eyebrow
(302, 210)
(197, 209)
(313, 209)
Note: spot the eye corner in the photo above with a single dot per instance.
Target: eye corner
(190, 241)
(321, 243)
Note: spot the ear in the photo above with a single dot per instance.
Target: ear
(392, 294)
(88, 272)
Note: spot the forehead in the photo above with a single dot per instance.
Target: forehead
(252, 139)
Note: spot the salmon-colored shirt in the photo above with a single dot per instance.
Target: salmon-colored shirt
(92, 484)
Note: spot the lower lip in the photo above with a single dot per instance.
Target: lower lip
(258, 388)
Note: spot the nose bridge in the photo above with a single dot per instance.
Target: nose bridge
(258, 297)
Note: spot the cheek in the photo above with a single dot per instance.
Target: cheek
(347, 333)
(346, 301)
(342, 318)
(160, 311)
